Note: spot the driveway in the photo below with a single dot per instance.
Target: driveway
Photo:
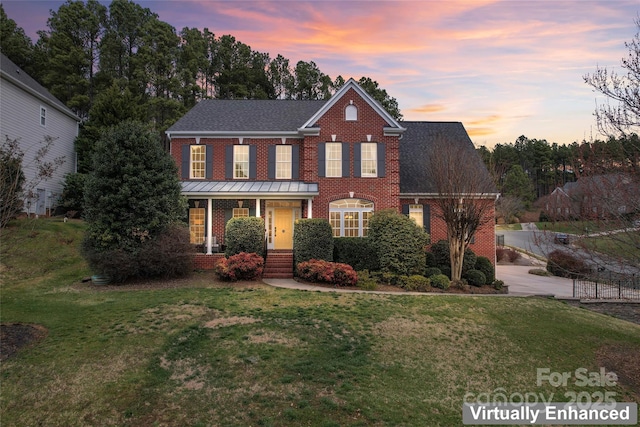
(520, 282)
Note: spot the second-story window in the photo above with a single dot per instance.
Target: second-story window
(283, 162)
(369, 159)
(43, 116)
(198, 156)
(241, 162)
(333, 159)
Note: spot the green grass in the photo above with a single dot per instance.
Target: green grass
(509, 227)
(213, 354)
(579, 227)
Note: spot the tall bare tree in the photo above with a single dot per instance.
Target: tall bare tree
(465, 193)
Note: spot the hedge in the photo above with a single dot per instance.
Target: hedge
(245, 234)
(312, 239)
(358, 252)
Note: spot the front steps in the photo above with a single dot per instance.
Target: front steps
(278, 265)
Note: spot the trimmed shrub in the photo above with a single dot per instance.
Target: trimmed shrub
(312, 239)
(440, 252)
(564, 264)
(432, 271)
(242, 266)
(475, 278)
(498, 284)
(358, 252)
(399, 243)
(416, 282)
(245, 234)
(440, 281)
(72, 197)
(484, 264)
(365, 281)
(323, 271)
(430, 259)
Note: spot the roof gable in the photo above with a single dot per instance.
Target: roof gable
(392, 125)
(11, 72)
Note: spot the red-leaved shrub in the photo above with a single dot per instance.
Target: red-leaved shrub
(242, 266)
(564, 264)
(334, 273)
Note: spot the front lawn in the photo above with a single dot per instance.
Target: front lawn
(197, 352)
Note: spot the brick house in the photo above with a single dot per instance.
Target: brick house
(339, 159)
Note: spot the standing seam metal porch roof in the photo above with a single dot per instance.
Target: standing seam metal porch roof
(225, 189)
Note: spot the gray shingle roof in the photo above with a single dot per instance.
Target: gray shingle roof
(417, 147)
(12, 72)
(250, 115)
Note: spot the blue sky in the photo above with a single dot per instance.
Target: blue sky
(502, 68)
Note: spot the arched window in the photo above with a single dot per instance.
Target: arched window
(350, 217)
(351, 113)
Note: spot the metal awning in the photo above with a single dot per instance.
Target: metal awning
(250, 189)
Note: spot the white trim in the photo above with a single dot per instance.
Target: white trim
(235, 134)
(352, 84)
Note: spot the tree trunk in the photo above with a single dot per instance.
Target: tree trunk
(456, 251)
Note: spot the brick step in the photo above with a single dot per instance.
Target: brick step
(278, 265)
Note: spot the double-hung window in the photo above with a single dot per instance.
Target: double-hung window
(241, 162)
(333, 159)
(369, 163)
(196, 225)
(283, 161)
(416, 214)
(43, 116)
(198, 156)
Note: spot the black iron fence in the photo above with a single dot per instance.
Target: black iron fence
(607, 288)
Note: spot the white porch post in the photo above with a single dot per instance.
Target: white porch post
(310, 208)
(257, 208)
(209, 224)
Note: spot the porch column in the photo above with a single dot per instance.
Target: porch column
(310, 208)
(257, 208)
(209, 224)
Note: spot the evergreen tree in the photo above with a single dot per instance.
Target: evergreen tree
(517, 184)
(14, 43)
(132, 196)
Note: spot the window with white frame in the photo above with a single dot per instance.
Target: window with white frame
(240, 212)
(350, 217)
(369, 156)
(196, 225)
(416, 214)
(283, 162)
(333, 159)
(198, 156)
(43, 116)
(351, 113)
(241, 161)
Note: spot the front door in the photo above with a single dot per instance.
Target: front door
(283, 228)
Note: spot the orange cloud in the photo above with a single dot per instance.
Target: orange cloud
(428, 108)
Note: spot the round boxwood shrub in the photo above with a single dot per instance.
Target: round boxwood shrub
(416, 282)
(475, 278)
(440, 281)
(312, 239)
(432, 271)
(245, 234)
(484, 264)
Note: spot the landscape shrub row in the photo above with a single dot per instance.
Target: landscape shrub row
(322, 271)
(242, 266)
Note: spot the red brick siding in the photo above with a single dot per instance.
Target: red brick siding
(206, 262)
(485, 241)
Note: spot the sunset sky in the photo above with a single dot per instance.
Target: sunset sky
(502, 68)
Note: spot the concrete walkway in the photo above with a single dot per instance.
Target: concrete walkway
(517, 277)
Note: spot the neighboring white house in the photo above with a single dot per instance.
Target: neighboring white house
(28, 112)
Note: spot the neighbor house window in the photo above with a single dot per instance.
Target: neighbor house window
(351, 113)
(196, 225)
(43, 116)
(240, 212)
(283, 162)
(369, 163)
(198, 155)
(333, 159)
(415, 213)
(350, 217)
(241, 161)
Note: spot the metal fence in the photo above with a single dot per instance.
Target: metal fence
(499, 239)
(621, 288)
